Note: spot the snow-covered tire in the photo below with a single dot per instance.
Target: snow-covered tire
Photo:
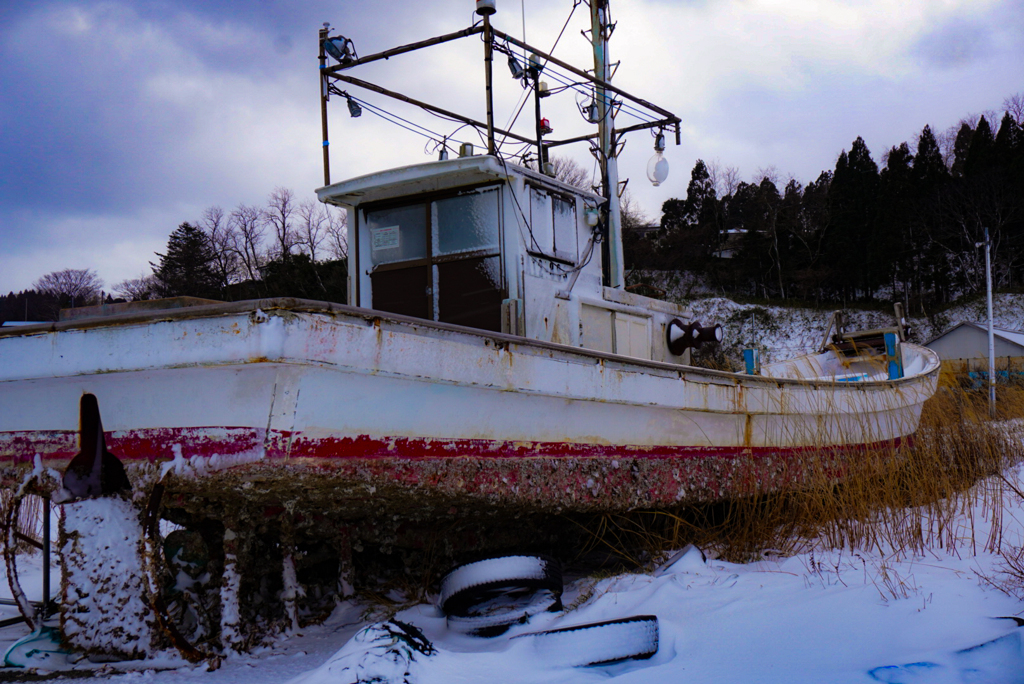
(598, 643)
(475, 583)
(495, 617)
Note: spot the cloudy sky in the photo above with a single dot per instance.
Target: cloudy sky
(120, 119)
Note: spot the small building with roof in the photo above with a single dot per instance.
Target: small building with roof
(964, 350)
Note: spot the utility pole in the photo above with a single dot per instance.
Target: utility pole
(991, 331)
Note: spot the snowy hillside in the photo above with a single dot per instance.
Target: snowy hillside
(782, 332)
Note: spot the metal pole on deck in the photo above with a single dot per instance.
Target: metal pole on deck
(601, 28)
(489, 78)
(991, 331)
(323, 105)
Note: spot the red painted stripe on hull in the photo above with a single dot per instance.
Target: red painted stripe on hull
(158, 444)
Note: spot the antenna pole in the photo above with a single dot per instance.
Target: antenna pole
(488, 69)
(323, 105)
(600, 30)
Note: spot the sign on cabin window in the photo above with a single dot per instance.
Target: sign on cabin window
(552, 225)
(397, 234)
(459, 278)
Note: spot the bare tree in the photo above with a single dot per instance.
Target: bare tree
(136, 289)
(75, 287)
(247, 228)
(337, 232)
(226, 261)
(313, 227)
(278, 216)
(571, 172)
(947, 144)
(770, 172)
(725, 178)
(1014, 106)
(633, 216)
(973, 118)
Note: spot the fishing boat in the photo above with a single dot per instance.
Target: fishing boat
(489, 347)
(489, 356)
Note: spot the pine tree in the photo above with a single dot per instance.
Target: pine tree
(853, 196)
(186, 269)
(981, 154)
(1007, 143)
(929, 168)
(960, 148)
(691, 227)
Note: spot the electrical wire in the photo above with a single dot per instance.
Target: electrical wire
(566, 83)
(580, 87)
(397, 120)
(522, 104)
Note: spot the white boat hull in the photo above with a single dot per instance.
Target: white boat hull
(364, 400)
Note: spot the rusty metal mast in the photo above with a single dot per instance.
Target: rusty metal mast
(608, 98)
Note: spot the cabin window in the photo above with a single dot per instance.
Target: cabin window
(459, 278)
(466, 223)
(552, 225)
(397, 234)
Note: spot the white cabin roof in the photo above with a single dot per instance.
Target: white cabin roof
(433, 176)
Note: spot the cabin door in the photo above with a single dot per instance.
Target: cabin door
(440, 259)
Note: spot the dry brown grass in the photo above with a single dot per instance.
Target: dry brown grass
(896, 501)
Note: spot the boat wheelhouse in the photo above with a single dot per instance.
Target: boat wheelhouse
(479, 242)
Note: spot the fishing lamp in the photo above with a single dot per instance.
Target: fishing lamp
(657, 167)
(515, 67)
(340, 48)
(354, 109)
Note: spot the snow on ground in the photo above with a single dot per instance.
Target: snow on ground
(822, 616)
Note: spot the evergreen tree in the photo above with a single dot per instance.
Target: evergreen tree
(692, 227)
(981, 153)
(929, 169)
(186, 269)
(1007, 144)
(895, 213)
(960, 149)
(852, 248)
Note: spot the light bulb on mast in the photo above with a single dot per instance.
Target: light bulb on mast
(657, 167)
